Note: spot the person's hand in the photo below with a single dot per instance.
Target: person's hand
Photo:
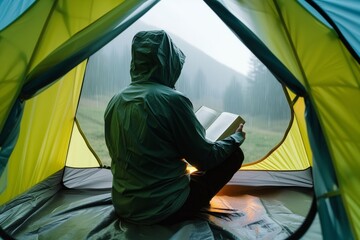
(240, 130)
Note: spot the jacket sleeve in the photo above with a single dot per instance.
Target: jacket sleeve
(190, 139)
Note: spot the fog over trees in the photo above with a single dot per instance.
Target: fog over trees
(258, 96)
(203, 79)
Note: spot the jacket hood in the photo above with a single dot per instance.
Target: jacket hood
(155, 58)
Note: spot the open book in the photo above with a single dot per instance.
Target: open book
(218, 125)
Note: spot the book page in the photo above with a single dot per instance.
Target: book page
(206, 116)
(223, 126)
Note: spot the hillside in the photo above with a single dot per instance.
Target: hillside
(202, 76)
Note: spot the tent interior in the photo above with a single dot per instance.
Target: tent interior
(55, 176)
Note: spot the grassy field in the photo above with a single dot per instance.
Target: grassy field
(91, 122)
(258, 141)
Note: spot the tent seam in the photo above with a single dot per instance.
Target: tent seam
(339, 192)
(87, 142)
(301, 68)
(38, 44)
(284, 26)
(292, 118)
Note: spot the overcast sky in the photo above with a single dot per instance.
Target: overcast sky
(196, 23)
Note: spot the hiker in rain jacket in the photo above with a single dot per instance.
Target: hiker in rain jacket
(150, 128)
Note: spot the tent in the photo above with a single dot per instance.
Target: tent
(311, 47)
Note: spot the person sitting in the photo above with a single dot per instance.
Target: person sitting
(150, 129)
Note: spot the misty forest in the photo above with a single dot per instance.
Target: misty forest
(257, 96)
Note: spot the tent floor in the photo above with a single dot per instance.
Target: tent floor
(236, 213)
(296, 199)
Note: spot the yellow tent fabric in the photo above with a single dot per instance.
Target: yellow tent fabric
(45, 26)
(329, 74)
(56, 29)
(80, 153)
(290, 155)
(44, 137)
(294, 151)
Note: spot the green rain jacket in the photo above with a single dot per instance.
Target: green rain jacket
(150, 128)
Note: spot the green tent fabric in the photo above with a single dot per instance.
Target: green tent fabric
(317, 63)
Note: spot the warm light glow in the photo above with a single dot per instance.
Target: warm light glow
(190, 169)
